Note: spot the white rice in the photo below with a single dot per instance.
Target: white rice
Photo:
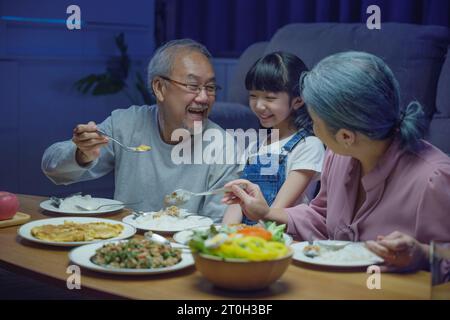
(168, 222)
(351, 253)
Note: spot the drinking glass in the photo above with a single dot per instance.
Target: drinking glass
(440, 270)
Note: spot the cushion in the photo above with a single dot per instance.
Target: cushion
(233, 116)
(438, 134)
(443, 91)
(414, 53)
(236, 89)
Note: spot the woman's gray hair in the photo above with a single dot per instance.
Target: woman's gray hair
(359, 92)
(162, 61)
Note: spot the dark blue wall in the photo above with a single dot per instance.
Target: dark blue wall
(40, 61)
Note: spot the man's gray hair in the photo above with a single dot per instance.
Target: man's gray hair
(162, 61)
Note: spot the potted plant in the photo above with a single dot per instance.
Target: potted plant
(113, 80)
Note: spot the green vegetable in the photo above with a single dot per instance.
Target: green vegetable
(197, 242)
(166, 255)
(276, 231)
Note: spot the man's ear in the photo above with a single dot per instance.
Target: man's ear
(158, 87)
(345, 138)
(297, 103)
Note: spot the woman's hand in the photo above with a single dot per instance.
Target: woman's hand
(251, 199)
(401, 253)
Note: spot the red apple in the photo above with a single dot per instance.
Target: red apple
(9, 204)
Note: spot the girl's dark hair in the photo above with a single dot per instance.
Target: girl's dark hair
(280, 72)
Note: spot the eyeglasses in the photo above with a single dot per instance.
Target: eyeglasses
(210, 89)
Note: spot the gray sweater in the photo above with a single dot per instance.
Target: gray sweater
(145, 177)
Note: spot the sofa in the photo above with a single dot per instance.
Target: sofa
(416, 54)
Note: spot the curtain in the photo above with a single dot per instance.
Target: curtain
(228, 27)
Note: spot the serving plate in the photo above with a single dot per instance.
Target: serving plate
(25, 230)
(115, 205)
(167, 224)
(82, 257)
(352, 255)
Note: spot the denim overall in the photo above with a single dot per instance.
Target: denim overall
(270, 184)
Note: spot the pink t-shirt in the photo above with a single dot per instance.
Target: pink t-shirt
(406, 192)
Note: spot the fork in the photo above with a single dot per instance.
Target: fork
(131, 149)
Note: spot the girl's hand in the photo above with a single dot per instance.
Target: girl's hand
(400, 252)
(251, 199)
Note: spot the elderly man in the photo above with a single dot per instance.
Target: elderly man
(182, 80)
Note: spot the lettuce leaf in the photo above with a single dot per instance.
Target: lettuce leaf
(276, 230)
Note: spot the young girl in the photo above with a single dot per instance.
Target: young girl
(275, 99)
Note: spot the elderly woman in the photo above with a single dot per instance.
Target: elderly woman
(380, 182)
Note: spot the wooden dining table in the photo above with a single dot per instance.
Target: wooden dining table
(301, 281)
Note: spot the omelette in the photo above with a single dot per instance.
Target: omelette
(73, 232)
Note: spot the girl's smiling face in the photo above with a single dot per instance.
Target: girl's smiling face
(273, 109)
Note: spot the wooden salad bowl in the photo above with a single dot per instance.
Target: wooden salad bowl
(237, 274)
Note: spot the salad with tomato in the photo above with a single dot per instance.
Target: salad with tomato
(253, 243)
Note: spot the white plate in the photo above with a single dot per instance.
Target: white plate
(116, 206)
(362, 257)
(82, 257)
(169, 224)
(183, 237)
(25, 230)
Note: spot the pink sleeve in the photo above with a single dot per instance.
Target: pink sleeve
(307, 222)
(433, 212)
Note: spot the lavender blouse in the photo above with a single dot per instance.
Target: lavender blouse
(407, 192)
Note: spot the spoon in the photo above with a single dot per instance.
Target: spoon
(141, 148)
(181, 196)
(333, 245)
(149, 235)
(156, 238)
(138, 214)
(87, 208)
